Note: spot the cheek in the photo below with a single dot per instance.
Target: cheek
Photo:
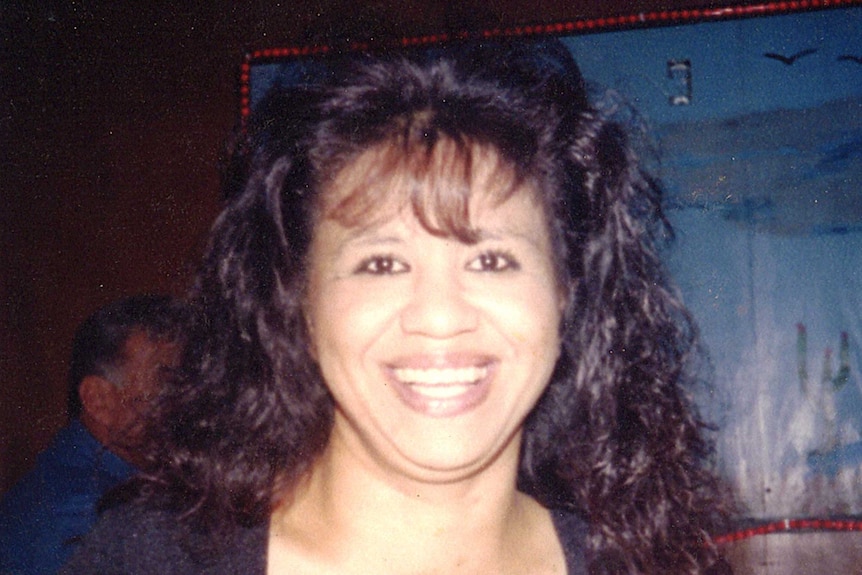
(540, 332)
(346, 319)
(528, 310)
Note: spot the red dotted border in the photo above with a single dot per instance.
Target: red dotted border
(662, 17)
(790, 525)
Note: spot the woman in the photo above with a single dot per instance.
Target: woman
(434, 336)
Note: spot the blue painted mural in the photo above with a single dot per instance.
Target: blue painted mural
(757, 131)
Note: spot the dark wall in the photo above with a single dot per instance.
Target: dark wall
(111, 123)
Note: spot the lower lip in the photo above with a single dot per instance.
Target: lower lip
(450, 406)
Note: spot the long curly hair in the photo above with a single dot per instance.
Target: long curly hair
(614, 437)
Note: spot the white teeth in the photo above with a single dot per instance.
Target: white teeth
(441, 376)
(441, 391)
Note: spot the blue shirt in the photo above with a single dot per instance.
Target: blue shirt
(43, 517)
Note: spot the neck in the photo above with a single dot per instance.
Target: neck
(95, 427)
(104, 436)
(346, 510)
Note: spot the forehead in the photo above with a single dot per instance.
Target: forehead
(442, 182)
(517, 219)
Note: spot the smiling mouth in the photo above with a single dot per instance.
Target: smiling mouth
(441, 377)
(442, 391)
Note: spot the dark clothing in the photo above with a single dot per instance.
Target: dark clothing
(45, 514)
(132, 540)
(572, 532)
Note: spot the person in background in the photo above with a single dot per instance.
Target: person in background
(118, 357)
(432, 334)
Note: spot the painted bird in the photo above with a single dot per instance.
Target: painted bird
(789, 60)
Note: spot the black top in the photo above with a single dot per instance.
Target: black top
(137, 540)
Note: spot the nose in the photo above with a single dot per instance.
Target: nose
(438, 306)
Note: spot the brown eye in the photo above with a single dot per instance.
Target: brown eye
(493, 261)
(382, 265)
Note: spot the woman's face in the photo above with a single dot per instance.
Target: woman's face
(434, 350)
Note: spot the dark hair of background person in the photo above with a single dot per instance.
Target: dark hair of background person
(615, 436)
(99, 344)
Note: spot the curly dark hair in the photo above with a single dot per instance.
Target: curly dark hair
(614, 437)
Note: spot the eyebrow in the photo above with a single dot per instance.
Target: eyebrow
(372, 239)
(370, 236)
(496, 234)
(367, 236)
